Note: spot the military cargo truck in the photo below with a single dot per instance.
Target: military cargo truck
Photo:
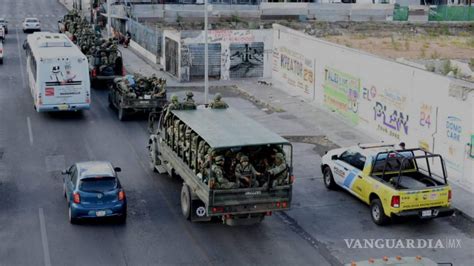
(176, 149)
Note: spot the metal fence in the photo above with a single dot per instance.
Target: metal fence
(451, 13)
(146, 36)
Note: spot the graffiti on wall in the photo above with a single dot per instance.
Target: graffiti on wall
(341, 94)
(454, 128)
(296, 69)
(390, 121)
(246, 60)
(425, 115)
(232, 36)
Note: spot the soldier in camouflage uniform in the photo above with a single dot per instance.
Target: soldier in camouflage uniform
(278, 171)
(218, 103)
(217, 175)
(194, 149)
(189, 103)
(173, 105)
(246, 174)
(104, 61)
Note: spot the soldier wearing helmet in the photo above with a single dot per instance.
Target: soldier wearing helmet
(218, 180)
(189, 103)
(278, 171)
(218, 103)
(173, 105)
(246, 174)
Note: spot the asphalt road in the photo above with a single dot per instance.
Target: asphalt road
(34, 230)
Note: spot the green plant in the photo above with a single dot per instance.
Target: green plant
(435, 55)
(407, 45)
(470, 42)
(431, 67)
(395, 44)
(446, 67)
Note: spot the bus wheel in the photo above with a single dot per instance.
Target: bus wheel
(185, 201)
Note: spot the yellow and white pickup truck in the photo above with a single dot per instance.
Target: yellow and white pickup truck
(409, 182)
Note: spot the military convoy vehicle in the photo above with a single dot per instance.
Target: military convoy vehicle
(129, 99)
(103, 69)
(175, 149)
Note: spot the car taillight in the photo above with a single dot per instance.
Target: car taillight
(76, 198)
(284, 204)
(292, 179)
(449, 195)
(121, 195)
(94, 73)
(395, 202)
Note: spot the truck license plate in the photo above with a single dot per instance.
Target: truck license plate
(100, 213)
(63, 107)
(426, 213)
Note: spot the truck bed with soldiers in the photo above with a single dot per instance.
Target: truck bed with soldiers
(231, 166)
(132, 94)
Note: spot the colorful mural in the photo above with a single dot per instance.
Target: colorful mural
(341, 94)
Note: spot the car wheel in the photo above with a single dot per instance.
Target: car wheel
(1, 61)
(329, 179)
(72, 219)
(377, 212)
(185, 201)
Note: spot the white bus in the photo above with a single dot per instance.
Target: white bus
(58, 73)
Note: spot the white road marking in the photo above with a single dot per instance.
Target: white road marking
(44, 239)
(30, 131)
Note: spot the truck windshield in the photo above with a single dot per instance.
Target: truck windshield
(98, 184)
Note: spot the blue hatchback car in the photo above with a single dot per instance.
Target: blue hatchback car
(93, 190)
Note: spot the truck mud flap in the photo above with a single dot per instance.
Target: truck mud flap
(199, 212)
(250, 220)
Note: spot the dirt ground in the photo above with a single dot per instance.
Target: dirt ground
(411, 47)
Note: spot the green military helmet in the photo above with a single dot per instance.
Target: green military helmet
(244, 158)
(280, 156)
(174, 98)
(189, 94)
(218, 97)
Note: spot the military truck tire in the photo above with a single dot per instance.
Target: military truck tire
(121, 114)
(377, 212)
(186, 201)
(329, 179)
(111, 105)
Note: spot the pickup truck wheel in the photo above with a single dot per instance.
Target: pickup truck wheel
(186, 201)
(377, 212)
(329, 179)
(121, 114)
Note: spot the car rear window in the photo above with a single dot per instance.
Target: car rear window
(98, 184)
(31, 20)
(394, 163)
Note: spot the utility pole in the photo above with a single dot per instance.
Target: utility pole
(109, 30)
(206, 56)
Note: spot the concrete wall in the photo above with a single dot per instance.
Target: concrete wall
(143, 52)
(233, 54)
(389, 100)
